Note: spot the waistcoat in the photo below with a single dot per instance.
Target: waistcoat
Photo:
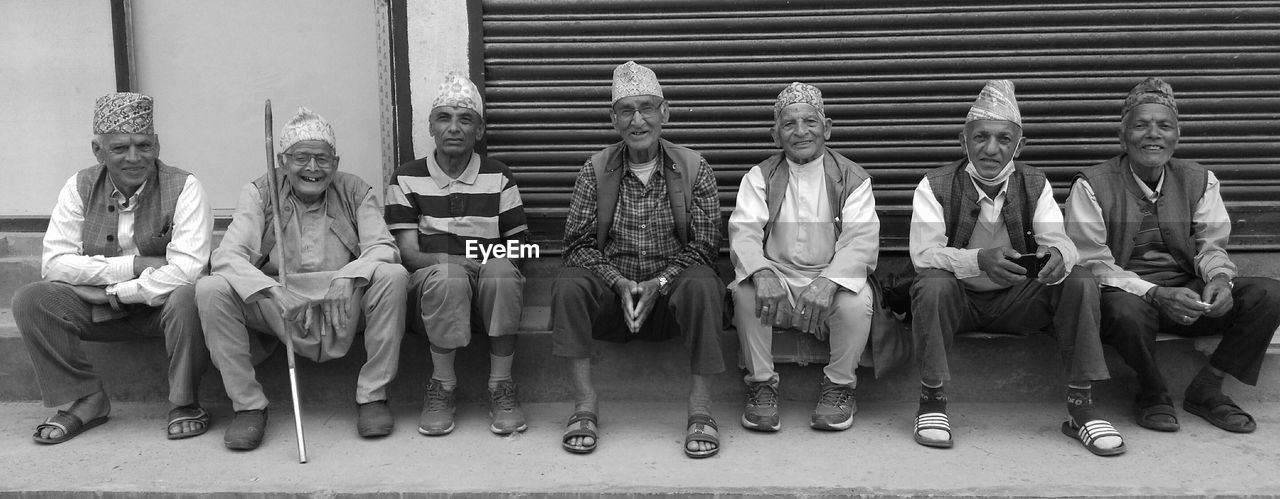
(680, 165)
(1123, 202)
(342, 199)
(153, 219)
(954, 190)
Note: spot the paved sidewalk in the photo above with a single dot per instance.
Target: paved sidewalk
(1002, 450)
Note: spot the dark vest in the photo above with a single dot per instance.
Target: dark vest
(959, 199)
(342, 199)
(1122, 204)
(153, 215)
(680, 166)
(843, 177)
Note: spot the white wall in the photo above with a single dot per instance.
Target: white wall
(55, 60)
(438, 36)
(211, 65)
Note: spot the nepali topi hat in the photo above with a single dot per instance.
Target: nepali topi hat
(799, 93)
(123, 112)
(307, 125)
(631, 79)
(458, 91)
(1150, 91)
(996, 102)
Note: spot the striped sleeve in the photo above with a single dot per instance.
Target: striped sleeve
(511, 219)
(401, 209)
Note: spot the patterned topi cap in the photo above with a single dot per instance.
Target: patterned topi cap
(1150, 91)
(799, 93)
(996, 102)
(631, 79)
(458, 91)
(307, 125)
(123, 112)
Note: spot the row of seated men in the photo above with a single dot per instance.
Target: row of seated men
(1140, 250)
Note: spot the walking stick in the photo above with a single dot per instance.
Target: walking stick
(273, 190)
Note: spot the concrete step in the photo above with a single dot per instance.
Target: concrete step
(1002, 450)
(1001, 369)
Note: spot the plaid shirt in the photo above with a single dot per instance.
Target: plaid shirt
(642, 241)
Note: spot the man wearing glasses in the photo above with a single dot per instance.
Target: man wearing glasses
(126, 242)
(343, 270)
(642, 233)
(454, 214)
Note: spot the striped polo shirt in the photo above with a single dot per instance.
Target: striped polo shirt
(483, 204)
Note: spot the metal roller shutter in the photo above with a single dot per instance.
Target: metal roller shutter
(897, 82)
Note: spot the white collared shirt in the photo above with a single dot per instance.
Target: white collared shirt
(187, 253)
(928, 239)
(1210, 224)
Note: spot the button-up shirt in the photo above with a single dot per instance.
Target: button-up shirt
(642, 241)
(928, 239)
(187, 254)
(1210, 222)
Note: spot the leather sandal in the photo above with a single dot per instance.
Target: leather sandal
(1156, 412)
(1218, 410)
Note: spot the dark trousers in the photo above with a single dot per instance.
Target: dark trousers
(1130, 325)
(942, 307)
(584, 307)
(53, 321)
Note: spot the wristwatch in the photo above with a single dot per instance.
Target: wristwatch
(112, 299)
(662, 285)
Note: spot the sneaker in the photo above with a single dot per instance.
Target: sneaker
(437, 411)
(835, 407)
(761, 411)
(504, 409)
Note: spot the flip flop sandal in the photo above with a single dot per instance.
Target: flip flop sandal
(190, 413)
(701, 428)
(1149, 408)
(70, 424)
(1091, 432)
(1218, 411)
(585, 422)
(933, 421)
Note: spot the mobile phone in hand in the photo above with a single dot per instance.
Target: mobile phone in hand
(1031, 263)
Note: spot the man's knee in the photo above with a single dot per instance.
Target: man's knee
(1126, 314)
(849, 307)
(30, 297)
(501, 270)
(697, 283)
(210, 289)
(1258, 292)
(934, 285)
(391, 275)
(450, 279)
(1080, 281)
(573, 283)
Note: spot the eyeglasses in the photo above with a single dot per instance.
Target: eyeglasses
(646, 112)
(305, 158)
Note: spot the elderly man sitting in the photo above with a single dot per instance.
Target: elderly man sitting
(343, 269)
(970, 220)
(804, 235)
(643, 230)
(448, 212)
(1153, 229)
(127, 240)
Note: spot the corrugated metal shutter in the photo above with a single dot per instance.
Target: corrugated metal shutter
(897, 80)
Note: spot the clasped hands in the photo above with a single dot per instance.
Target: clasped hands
(812, 309)
(637, 300)
(332, 308)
